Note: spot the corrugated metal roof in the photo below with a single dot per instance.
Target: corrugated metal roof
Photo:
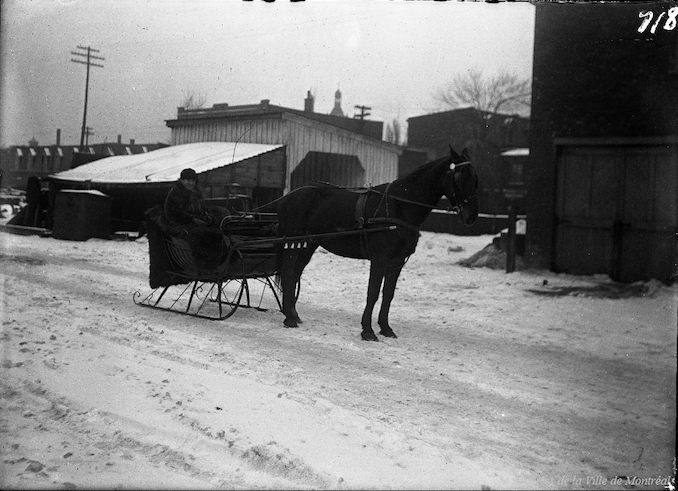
(165, 164)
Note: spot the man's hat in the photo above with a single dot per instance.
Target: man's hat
(189, 174)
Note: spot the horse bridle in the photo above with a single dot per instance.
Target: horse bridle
(455, 209)
(458, 207)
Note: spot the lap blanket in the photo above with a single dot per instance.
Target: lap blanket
(206, 244)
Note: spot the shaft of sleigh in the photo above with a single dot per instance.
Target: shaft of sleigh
(312, 237)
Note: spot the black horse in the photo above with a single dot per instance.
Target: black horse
(404, 203)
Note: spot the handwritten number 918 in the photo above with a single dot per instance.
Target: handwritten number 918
(647, 16)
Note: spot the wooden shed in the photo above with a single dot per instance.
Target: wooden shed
(81, 215)
(136, 183)
(328, 147)
(603, 169)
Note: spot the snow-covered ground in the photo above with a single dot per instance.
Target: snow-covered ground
(529, 380)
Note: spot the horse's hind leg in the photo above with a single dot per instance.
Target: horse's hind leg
(288, 284)
(387, 296)
(373, 288)
(294, 262)
(303, 258)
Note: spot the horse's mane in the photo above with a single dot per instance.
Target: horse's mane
(419, 171)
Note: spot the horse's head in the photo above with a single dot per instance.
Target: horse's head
(461, 186)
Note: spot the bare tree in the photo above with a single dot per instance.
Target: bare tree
(394, 132)
(489, 95)
(504, 92)
(191, 100)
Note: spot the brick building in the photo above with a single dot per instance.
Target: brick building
(19, 162)
(486, 135)
(603, 171)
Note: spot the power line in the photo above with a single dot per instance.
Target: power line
(89, 56)
(364, 112)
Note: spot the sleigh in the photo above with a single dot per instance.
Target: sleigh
(239, 273)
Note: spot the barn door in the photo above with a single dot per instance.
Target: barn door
(646, 233)
(616, 212)
(587, 199)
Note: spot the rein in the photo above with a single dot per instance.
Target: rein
(412, 202)
(455, 209)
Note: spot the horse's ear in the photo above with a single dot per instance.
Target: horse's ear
(465, 155)
(453, 154)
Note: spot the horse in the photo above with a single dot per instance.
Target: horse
(403, 204)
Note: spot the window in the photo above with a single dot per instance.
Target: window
(47, 160)
(58, 159)
(19, 161)
(31, 159)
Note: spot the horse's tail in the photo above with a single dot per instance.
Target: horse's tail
(288, 208)
(278, 271)
(280, 253)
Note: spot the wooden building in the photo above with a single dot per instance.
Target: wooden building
(603, 173)
(344, 151)
(138, 182)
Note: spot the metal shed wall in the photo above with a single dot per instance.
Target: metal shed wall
(301, 135)
(336, 169)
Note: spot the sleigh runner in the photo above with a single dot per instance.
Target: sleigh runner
(257, 246)
(238, 277)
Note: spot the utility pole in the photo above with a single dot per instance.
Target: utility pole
(89, 131)
(89, 56)
(364, 112)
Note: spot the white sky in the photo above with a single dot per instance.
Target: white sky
(391, 56)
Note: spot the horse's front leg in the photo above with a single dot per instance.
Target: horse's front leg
(376, 278)
(387, 296)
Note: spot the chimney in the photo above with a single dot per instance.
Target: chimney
(131, 141)
(264, 103)
(58, 139)
(119, 139)
(308, 102)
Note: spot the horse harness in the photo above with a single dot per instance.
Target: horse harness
(362, 221)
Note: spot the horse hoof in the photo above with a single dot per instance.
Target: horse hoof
(388, 334)
(290, 323)
(369, 337)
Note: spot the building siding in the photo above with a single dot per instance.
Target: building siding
(301, 135)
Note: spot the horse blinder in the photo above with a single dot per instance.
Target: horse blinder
(456, 208)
